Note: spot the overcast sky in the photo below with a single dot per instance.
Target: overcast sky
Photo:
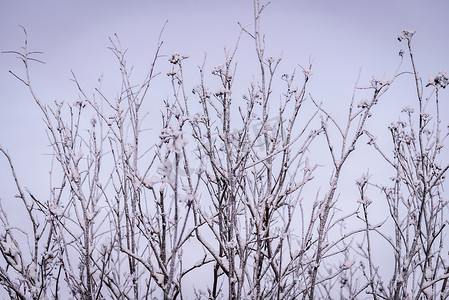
(339, 37)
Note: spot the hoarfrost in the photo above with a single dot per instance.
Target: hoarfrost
(307, 72)
(406, 34)
(90, 215)
(408, 109)
(180, 143)
(428, 291)
(56, 210)
(347, 264)
(239, 273)
(224, 262)
(159, 278)
(152, 181)
(364, 201)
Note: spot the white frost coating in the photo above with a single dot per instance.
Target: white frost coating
(76, 175)
(208, 220)
(152, 181)
(90, 215)
(363, 103)
(136, 184)
(185, 197)
(428, 291)
(201, 169)
(347, 264)
(269, 126)
(180, 143)
(164, 169)
(82, 225)
(362, 180)
(11, 252)
(307, 72)
(365, 201)
(220, 92)
(175, 130)
(307, 167)
(9, 248)
(217, 69)
(239, 273)
(159, 278)
(242, 243)
(406, 34)
(224, 262)
(77, 158)
(56, 210)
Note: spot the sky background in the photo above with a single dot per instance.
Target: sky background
(339, 37)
